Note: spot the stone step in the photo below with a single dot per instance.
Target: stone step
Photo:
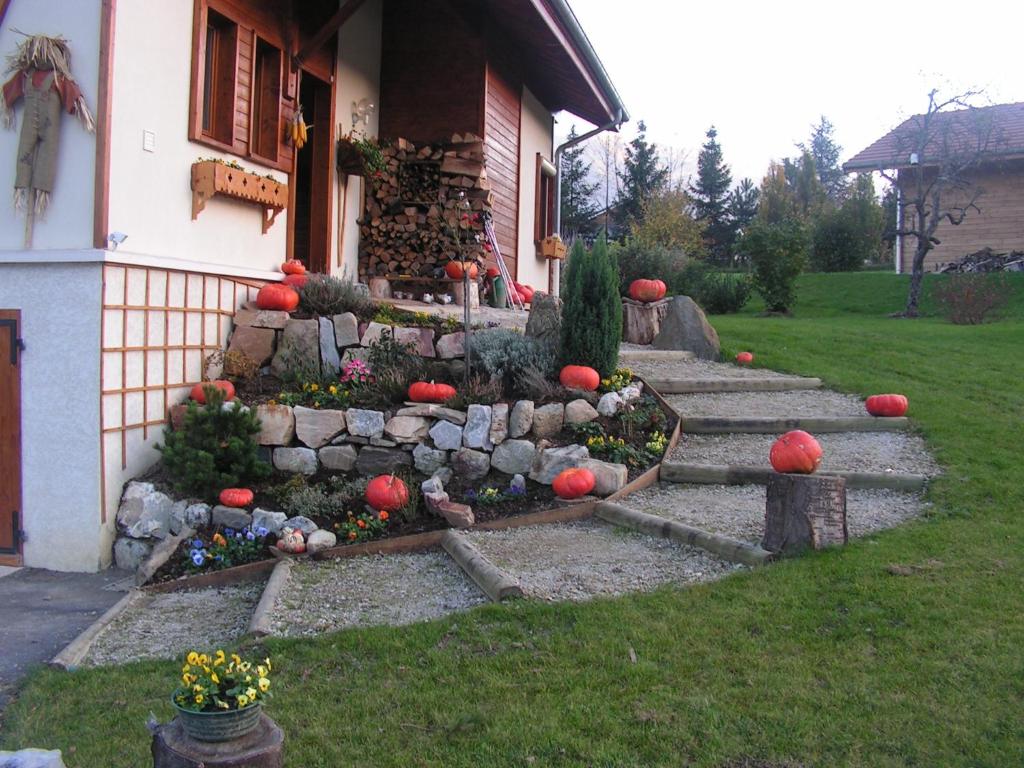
(627, 356)
(768, 425)
(680, 385)
(793, 404)
(738, 474)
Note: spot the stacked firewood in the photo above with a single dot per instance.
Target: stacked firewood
(403, 230)
(987, 260)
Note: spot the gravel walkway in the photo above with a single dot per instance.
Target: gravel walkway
(738, 510)
(171, 624)
(577, 561)
(698, 369)
(803, 403)
(853, 451)
(380, 589)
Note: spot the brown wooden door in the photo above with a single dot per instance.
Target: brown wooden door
(10, 437)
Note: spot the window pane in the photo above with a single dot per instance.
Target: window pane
(208, 75)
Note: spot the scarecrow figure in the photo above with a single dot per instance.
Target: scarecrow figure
(42, 77)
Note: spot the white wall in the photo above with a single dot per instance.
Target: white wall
(359, 47)
(60, 379)
(68, 222)
(536, 132)
(150, 199)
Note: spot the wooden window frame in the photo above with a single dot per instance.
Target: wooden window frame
(544, 203)
(265, 124)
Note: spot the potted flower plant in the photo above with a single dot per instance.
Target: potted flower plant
(221, 697)
(360, 156)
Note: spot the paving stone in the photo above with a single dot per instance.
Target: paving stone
(316, 427)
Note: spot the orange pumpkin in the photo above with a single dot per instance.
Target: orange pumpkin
(493, 272)
(887, 405)
(456, 269)
(525, 291)
(277, 296)
(387, 493)
(429, 392)
(236, 497)
(296, 280)
(579, 377)
(647, 290)
(744, 358)
(573, 482)
(796, 452)
(293, 267)
(198, 392)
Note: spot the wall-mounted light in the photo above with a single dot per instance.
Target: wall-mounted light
(914, 159)
(361, 111)
(114, 239)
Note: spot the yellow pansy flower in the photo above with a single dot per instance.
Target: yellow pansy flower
(264, 684)
(203, 658)
(250, 692)
(213, 676)
(314, 387)
(218, 659)
(267, 662)
(200, 698)
(242, 700)
(193, 657)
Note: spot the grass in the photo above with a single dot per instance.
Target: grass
(831, 659)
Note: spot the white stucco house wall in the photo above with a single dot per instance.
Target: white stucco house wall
(123, 291)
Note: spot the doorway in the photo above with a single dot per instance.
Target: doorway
(311, 208)
(10, 437)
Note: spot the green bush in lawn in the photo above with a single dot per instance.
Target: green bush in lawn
(778, 253)
(838, 244)
(722, 293)
(214, 449)
(592, 313)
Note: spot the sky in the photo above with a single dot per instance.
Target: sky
(764, 72)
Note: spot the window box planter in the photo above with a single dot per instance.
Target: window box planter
(350, 159)
(211, 178)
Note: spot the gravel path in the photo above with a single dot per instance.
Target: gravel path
(738, 510)
(577, 561)
(362, 591)
(854, 451)
(171, 624)
(804, 403)
(698, 369)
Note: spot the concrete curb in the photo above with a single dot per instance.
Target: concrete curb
(694, 386)
(735, 474)
(724, 547)
(495, 583)
(73, 653)
(767, 425)
(259, 624)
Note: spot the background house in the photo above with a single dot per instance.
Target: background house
(999, 222)
(115, 333)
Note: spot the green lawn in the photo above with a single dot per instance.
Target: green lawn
(827, 660)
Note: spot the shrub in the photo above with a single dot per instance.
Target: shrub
(722, 293)
(328, 295)
(778, 252)
(592, 313)
(509, 357)
(479, 391)
(214, 449)
(637, 261)
(838, 244)
(394, 365)
(967, 299)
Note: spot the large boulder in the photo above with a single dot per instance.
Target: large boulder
(130, 553)
(514, 457)
(685, 327)
(545, 320)
(551, 461)
(298, 348)
(145, 512)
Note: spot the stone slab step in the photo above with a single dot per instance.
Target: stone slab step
(769, 425)
(737, 474)
(654, 356)
(680, 386)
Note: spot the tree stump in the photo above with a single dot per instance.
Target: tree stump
(261, 748)
(642, 321)
(804, 511)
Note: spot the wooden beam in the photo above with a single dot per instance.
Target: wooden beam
(104, 105)
(343, 14)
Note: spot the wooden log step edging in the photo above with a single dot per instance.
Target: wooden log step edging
(736, 474)
(723, 546)
(72, 654)
(680, 386)
(494, 582)
(768, 425)
(259, 624)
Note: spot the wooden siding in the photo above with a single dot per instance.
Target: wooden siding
(999, 225)
(503, 103)
(432, 72)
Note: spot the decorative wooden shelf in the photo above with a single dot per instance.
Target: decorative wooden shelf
(552, 247)
(210, 178)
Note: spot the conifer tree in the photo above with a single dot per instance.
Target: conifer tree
(643, 176)
(710, 195)
(592, 312)
(823, 148)
(579, 208)
(743, 204)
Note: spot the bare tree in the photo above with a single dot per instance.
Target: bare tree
(605, 154)
(935, 154)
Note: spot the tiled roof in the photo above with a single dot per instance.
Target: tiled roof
(892, 150)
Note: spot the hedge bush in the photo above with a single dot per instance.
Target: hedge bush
(778, 253)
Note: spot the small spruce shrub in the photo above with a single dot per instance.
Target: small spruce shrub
(592, 311)
(328, 295)
(214, 449)
(778, 253)
(968, 299)
(511, 358)
(722, 293)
